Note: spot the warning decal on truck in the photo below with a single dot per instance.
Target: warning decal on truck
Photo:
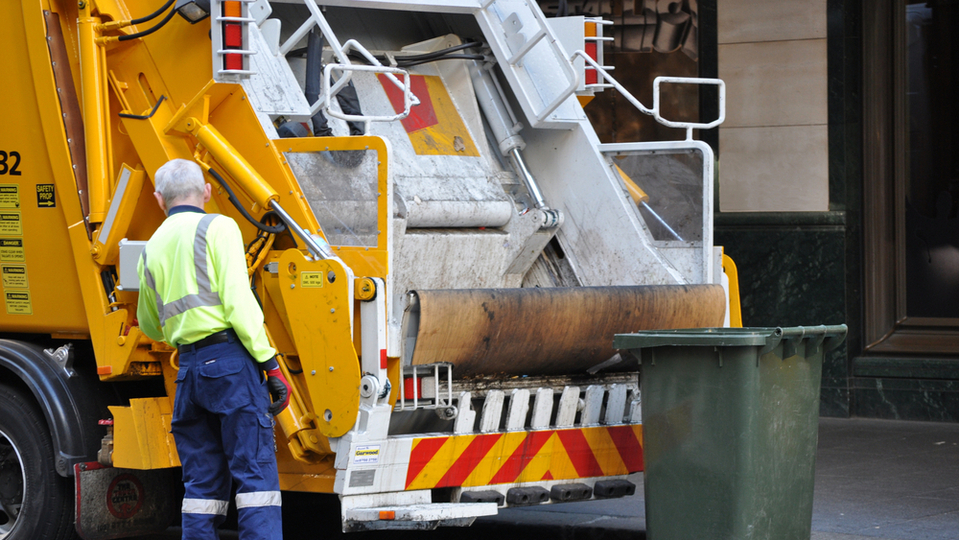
(10, 224)
(311, 279)
(11, 249)
(46, 196)
(18, 302)
(9, 196)
(14, 276)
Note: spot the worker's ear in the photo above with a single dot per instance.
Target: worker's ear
(207, 191)
(160, 201)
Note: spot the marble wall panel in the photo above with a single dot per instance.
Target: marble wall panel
(775, 83)
(774, 169)
(748, 20)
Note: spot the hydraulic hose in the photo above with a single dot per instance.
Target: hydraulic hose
(150, 30)
(153, 15)
(236, 203)
(442, 52)
(403, 64)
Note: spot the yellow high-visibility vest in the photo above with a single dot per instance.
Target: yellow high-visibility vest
(193, 283)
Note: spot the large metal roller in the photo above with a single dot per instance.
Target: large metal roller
(545, 331)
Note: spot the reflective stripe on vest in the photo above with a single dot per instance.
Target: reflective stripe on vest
(204, 506)
(257, 499)
(204, 297)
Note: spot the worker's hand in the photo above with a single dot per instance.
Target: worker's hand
(279, 390)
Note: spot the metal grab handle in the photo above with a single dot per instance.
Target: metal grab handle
(690, 80)
(328, 92)
(657, 82)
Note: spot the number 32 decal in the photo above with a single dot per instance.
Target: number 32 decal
(6, 167)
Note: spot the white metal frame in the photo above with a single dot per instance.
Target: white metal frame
(672, 147)
(492, 26)
(439, 401)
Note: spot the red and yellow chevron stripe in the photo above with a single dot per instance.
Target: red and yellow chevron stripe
(435, 126)
(521, 456)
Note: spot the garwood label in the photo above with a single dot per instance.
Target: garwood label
(366, 455)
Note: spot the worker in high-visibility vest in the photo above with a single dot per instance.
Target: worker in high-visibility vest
(194, 295)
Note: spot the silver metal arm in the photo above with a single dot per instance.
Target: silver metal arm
(321, 251)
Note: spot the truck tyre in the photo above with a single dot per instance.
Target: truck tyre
(35, 502)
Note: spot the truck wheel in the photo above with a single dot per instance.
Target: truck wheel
(35, 502)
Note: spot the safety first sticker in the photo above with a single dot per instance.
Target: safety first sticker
(18, 302)
(366, 455)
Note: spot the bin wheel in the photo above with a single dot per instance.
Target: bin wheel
(35, 502)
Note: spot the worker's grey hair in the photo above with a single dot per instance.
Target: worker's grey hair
(178, 179)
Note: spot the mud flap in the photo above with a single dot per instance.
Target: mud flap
(115, 503)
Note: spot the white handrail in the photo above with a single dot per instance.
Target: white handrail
(346, 67)
(654, 111)
(326, 94)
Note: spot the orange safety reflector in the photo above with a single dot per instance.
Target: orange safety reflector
(590, 31)
(591, 75)
(232, 36)
(387, 514)
(231, 8)
(105, 370)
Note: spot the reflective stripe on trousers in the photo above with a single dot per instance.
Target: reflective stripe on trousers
(243, 500)
(204, 506)
(204, 297)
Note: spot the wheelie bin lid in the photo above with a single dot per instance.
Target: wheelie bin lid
(768, 338)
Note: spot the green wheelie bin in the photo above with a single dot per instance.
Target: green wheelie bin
(730, 427)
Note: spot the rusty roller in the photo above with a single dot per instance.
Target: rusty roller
(546, 331)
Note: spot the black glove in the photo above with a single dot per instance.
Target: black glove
(279, 390)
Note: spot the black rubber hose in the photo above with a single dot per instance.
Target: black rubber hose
(403, 64)
(144, 116)
(153, 15)
(150, 30)
(443, 52)
(236, 202)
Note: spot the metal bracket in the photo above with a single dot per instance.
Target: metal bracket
(63, 356)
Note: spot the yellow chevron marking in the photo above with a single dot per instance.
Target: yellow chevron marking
(495, 458)
(605, 451)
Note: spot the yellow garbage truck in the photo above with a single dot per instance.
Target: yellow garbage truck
(442, 247)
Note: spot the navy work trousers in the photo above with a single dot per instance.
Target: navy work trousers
(223, 432)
